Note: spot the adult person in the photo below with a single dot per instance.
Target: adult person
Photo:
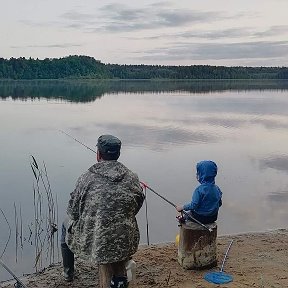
(101, 224)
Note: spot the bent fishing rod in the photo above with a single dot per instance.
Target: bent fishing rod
(172, 204)
(149, 188)
(18, 281)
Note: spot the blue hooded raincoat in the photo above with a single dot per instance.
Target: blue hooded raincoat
(206, 198)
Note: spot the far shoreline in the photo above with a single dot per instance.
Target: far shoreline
(143, 80)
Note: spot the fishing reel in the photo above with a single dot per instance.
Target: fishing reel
(181, 219)
(18, 285)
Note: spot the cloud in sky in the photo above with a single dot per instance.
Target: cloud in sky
(218, 51)
(119, 18)
(230, 33)
(278, 196)
(273, 31)
(157, 32)
(62, 45)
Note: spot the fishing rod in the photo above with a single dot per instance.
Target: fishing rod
(172, 204)
(78, 141)
(18, 281)
(146, 205)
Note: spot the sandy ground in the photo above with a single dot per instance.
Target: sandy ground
(255, 260)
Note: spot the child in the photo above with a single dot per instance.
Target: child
(206, 198)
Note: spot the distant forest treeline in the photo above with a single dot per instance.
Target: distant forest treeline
(90, 68)
(87, 90)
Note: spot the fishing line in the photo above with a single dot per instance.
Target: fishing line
(190, 217)
(146, 216)
(144, 185)
(78, 141)
(145, 190)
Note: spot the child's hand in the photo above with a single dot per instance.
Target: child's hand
(179, 208)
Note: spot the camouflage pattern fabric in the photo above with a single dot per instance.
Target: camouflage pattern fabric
(102, 226)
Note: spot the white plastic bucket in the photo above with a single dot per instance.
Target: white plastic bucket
(131, 271)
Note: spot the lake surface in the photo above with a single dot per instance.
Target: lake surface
(166, 128)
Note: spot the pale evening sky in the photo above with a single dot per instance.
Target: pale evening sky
(176, 32)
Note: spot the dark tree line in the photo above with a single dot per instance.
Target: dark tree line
(195, 72)
(89, 90)
(90, 68)
(68, 67)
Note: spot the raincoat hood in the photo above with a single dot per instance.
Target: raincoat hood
(113, 170)
(206, 172)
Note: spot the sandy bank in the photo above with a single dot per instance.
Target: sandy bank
(255, 260)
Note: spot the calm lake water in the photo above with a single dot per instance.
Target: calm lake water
(166, 128)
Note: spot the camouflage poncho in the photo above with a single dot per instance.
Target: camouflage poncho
(102, 210)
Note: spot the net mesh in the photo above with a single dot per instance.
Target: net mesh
(218, 277)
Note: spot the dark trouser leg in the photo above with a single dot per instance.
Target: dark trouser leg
(68, 262)
(119, 278)
(67, 256)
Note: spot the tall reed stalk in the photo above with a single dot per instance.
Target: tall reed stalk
(16, 232)
(45, 217)
(9, 234)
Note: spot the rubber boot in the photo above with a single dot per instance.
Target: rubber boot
(119, 282)
(68, 262)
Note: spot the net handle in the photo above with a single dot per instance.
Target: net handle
(227, 251)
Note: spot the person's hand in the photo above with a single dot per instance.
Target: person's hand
(179, 208)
